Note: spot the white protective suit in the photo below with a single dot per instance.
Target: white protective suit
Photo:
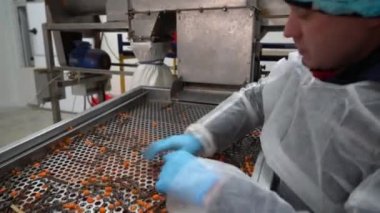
(322, 140)
(151, 70)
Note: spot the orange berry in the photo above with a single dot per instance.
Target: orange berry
(93, 180)
(111, 206)
(89, 143)
(42, 174)
(103, 149)
(108, 189)
(156, 197)
(86, 192)
(84, 182)
(68, 141)
(118, 203)
(135, 191)
(70, 205)
(14, 193)
(126, 164)
(37, 195)
(102, 210)
(16, 172)
(105, 178)
(90, 200)
(37, 165)
(132, 208)
(107, 194)
(141, 203)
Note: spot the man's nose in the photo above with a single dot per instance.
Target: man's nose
(292, 27)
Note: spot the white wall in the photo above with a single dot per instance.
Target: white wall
(12, 77)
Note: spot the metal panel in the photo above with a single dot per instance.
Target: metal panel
(80, 27)
(159, 5)
(117, 10)
(82, 7)
(42, 84)
(143, 25)
(215, 46)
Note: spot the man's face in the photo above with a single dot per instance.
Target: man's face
(329, 42)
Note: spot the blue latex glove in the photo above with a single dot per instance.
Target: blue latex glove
(184, 142)
(185, 178)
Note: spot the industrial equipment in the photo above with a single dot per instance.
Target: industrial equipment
(218, 42)
(93, 162)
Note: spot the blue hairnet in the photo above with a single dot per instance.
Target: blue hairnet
(365, 8)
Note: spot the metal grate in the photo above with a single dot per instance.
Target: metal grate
(102, 170)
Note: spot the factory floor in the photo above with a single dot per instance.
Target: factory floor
(19, 122)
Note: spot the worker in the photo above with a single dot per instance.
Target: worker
(320, 136)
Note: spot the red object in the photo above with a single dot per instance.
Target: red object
(174, 37)
(323, 75)
(95, 100)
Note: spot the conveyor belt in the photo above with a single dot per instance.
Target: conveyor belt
(102, 170)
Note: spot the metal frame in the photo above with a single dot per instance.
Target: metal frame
(110, 26)
(182, 5)
(48, 29)
(50, 67)
(92, 71)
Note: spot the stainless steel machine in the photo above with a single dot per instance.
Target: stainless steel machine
(93, 162)
(218, 41)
